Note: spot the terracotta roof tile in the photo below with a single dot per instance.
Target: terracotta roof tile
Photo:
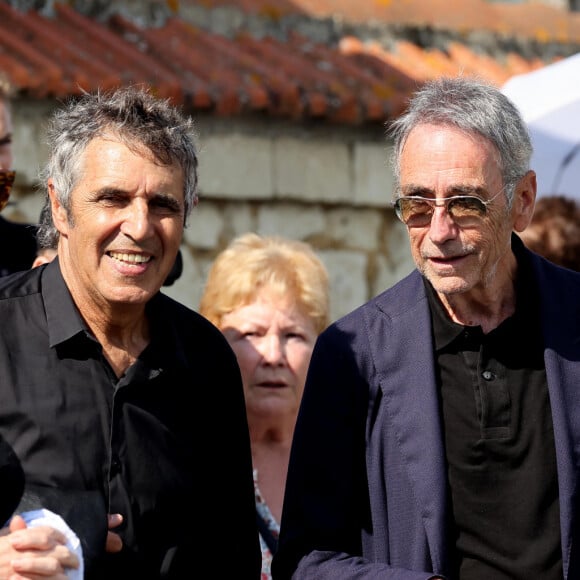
(529, 19)
(350, 79)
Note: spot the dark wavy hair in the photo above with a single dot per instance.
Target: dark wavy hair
(554, 231)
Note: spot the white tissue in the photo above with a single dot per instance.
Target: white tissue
(44, 517)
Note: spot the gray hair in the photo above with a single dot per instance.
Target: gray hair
(473, 107)
(46, 233)
(133, 115)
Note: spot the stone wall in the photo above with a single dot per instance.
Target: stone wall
(326, 185)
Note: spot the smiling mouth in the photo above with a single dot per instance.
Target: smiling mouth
(129, 258)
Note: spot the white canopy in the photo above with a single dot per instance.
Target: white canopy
(549, 100)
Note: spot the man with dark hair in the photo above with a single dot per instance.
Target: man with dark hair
(116, 398)
(554, 231)
(39, 551)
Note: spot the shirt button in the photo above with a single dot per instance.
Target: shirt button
(115, 467)
(488, 375)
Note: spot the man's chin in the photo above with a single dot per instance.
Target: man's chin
(128, 295)
(448, 284)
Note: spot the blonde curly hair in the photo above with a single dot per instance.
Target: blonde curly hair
(251, 262)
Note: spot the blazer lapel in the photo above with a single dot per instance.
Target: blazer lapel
(405, 367)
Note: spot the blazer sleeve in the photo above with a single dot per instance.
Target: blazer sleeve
(327, 504)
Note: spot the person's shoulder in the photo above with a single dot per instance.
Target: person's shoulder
(18, 231)
(20, 284)
(194, 334)
(18, 241)
(165, 302)
(546, 268)
(391, 302)
(8, 224)
(184, 318)
(558, 286)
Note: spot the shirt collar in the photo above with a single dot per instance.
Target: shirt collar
(446, 331)
(65, 321)
(63, 318)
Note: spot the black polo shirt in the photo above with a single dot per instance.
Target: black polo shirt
(499, 443)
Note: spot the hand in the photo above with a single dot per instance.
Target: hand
(38, 552)
(114, 542)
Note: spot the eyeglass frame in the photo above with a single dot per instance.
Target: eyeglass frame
(435, 202)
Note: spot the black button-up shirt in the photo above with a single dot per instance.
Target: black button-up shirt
(499, 442)
(166, 445)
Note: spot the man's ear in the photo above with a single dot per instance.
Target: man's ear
(59, 213)
(524, 201)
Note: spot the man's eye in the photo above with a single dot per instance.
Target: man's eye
(166, 205)
(467, 205)
(109, 198)
(418, 206)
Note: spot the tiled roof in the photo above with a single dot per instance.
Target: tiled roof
(530, 19)
(354, 78)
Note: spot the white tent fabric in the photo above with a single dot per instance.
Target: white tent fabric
(549, 100)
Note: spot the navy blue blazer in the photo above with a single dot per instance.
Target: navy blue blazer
(366, 489)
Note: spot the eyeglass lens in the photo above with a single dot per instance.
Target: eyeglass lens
(6, 182)
(417, 212)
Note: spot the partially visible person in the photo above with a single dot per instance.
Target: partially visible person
(32, 552)
(46, 236)
(116, 399)
(554, 231)
(270, 297)
(438, 434)
(41, 551)
(19, 238)
(176, 270)
(44, 256)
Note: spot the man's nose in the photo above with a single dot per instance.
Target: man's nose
(442, 226)
(137, 223)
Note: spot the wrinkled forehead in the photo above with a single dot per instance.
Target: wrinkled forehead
(425, 137)
(444, 156)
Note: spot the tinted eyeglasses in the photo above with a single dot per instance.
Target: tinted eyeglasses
(6, 182)
(416, 211)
